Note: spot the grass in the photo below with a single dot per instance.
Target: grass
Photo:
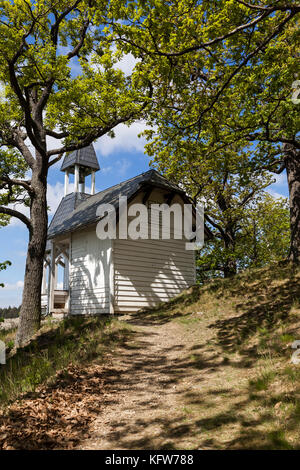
(262, 382)
(241, 345)
(73, 341)
(238, 386)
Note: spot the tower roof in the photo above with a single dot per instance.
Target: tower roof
(85, 157)
(79, 210)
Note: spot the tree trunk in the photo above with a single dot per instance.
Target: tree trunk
(30, 314)
(292, 165)
(230, 268)
(255, 254)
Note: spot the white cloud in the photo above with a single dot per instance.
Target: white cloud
(275, 194)
(14, 222)
(21, 253)
(12, 287)
(280, 179)
(122, 166)
(126, 139)
(119, 169)
(280, 187)
(11, 294)
(127, 64)
(106, 170)
(54, 195)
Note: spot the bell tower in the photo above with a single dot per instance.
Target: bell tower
(80, 163)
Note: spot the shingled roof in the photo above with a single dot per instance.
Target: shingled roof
(77, 210)
(84, 157)
(66, 207)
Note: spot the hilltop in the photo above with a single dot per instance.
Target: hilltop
(210, 369)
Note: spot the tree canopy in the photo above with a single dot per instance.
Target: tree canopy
(261, 237)
(224, 75)
(58, 79)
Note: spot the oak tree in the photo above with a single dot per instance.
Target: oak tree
(224, 73)
(58, 79)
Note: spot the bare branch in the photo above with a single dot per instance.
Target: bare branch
(16, 182)
(289, 7)
(56, 135)
(55, 160)
(79, 45)
(18, 215)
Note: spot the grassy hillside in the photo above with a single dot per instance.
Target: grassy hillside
(222, 353)
(241, 331)
(76, 341)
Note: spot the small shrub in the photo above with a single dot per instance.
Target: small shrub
(262, 382)
(278, 440)
(286, 338)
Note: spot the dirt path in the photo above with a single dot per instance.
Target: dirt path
(162, 382)
(155, 380)
(209, 372)
(146, 381)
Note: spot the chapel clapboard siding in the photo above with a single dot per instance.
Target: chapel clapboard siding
(124, 274)
(150, 271)
(90, 271)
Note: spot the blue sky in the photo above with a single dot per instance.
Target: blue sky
(120, 158)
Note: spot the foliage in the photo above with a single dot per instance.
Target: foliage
(222, 71)
(224, 180)
(9, 312)
(268, 235)
(262, 236)
(59, 79)
(59, 56)
(3, 266)
(223, 74)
